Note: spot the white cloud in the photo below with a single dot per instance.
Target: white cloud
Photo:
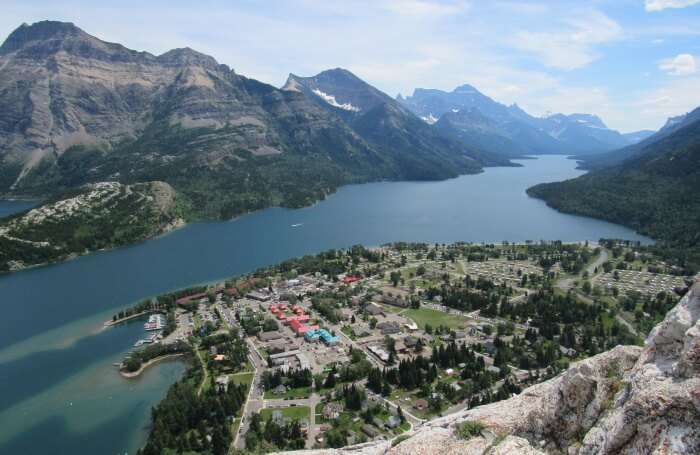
(677, 97)
(573, 44)
(425, 8)
(680, 65)
(658, 5)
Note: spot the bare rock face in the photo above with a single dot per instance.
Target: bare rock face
(628, 400)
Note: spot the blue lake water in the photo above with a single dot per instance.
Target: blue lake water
(10, 207)
(59, 388)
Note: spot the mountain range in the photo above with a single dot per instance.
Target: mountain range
(484, 124)
(78, 110)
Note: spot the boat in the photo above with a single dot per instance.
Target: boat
(155, 322)
(297, 225)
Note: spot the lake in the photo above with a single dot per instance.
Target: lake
(59, 388)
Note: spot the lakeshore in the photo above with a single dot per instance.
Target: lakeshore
(144, 366)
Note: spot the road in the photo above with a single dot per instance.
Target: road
(255, 401)
(567, 283)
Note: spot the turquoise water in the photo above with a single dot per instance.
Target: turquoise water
(52, 352)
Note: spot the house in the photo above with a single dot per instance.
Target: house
(393, 422)
(420, 404)
(222, 383)
(332, 410)
(279, 390)
(389, 327)
(219, 358)
(410, 341)
(411, 326)
(380, 352)
(373, 309)
(370, 431)
(399, 346)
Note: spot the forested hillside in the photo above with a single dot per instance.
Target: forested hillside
(655, 193)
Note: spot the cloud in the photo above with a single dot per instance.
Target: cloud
(573, 45)
(425, 8)
(659, 5)
(680, 65)
(676, 97)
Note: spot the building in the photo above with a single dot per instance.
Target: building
(259, 296)
(379, 351)
(222, 383)
(373, 309)
(370, 431)
(321, 334)
(389, 327)
(269, 336)
(332, 410)
(393, 422)
(420, 404)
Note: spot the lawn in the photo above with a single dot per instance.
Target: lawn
(242, 378)
(293, 412)
(435, 318)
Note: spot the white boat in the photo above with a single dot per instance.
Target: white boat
(297, 225)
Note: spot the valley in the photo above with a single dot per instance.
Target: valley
(197, 262)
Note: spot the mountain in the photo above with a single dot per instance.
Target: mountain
(628, 400)
(647, 144)
(78, 110)
(387, 125)
(638, 136)
(510, 129)
(655, 191)
(96, 216)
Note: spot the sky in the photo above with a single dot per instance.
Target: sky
(632, 62)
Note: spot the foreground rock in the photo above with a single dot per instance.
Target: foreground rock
(629, 400)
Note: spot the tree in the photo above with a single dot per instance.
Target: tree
(395, 277)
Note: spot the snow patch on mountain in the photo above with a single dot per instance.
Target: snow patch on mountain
(330, 99)
(429, 119)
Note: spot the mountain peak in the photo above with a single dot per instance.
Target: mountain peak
(465, 88)
(39, 31)
(187, 56)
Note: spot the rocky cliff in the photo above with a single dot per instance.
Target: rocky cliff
(629, 400)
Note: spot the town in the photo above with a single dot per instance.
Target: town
(364, 344)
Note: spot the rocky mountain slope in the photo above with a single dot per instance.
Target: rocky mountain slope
(629, 400)
(387, 125)
(79, 110)
(478, 120)
(100, 215)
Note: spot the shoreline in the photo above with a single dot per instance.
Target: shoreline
(144, 366)
(110, 323)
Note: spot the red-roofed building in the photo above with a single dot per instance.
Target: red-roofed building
(350, 279)
(189, 298)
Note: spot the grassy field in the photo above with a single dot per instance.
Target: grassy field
(296, 412)
(242, 378)
(435, 318)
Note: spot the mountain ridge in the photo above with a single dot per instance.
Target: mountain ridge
(512, 127)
